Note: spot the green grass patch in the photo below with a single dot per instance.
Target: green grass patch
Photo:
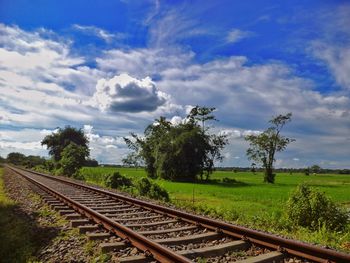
(245, 199)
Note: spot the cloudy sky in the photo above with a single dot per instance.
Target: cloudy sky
(111, 67)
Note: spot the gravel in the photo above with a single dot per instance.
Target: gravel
(57, 242)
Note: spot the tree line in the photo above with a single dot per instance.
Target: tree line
(186, 151)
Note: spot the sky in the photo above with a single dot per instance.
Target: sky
(113, 67)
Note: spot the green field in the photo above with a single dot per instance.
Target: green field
(249, 201)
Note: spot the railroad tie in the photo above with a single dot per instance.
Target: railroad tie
(98, 236)
(215, 250)
(274, 256)
(87, 228)
(189, 239)
(112, 246)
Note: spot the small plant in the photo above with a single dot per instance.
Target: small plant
(227, 180)
(116, 180)
(148, 188)
(312, 209)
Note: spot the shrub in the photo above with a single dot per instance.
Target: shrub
(72, 159)
(152, 190)
(227, 180)
(312, 209)
(116, 180)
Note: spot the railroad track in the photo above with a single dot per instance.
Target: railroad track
(153, 233)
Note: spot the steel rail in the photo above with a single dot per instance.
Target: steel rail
(292, 247)
(149, 247)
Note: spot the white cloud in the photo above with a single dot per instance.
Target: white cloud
(176, 120)
(124, 93)
(99, 32)
(53, 88)
(337, 59)
(236, 35)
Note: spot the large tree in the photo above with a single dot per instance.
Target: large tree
(264, 146)
(69, 150)
(57, 141)
(182, 151)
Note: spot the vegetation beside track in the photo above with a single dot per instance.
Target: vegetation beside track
(16, 242)
(244, 199)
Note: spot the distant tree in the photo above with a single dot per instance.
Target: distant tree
(307, 171)
(315, 169)
(16, 158)
(264, 146)
(253, 168)
(179, 152)
(72, 159)
(91, 163)
(32, 161)
(132, 160)
(57, 141)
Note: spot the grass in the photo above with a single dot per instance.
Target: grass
(249, 201)
(16, 242)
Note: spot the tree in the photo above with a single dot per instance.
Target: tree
(201, 114)
(57, 141)
(315, 169)
(91, 163)
(132, 160)
(16, 158)
(32, 161)
(181, 151)
(264, 146)
(72, 159)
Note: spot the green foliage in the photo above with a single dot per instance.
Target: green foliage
(315, 169)
(16, 158)
(91, 163)
(72, 159)
(249, 202)
(312, 209)
(178, 152)
(116, 180)
(264, 146)
(152, 190)
(59, 140)
(27, 161)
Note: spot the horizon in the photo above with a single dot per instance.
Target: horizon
(112, 67)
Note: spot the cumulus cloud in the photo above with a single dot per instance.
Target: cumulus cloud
(124, 93)
(104, 148)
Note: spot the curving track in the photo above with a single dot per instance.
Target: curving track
(152, 232)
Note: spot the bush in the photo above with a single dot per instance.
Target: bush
(72, 159)
(312, 209)
(227, 180)
(116, 180)
(152, 190)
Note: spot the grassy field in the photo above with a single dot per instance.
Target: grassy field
(248, 200)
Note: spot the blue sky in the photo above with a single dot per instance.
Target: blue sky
(112, 67)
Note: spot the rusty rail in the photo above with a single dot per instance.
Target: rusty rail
(150, 248)
(292, 247)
